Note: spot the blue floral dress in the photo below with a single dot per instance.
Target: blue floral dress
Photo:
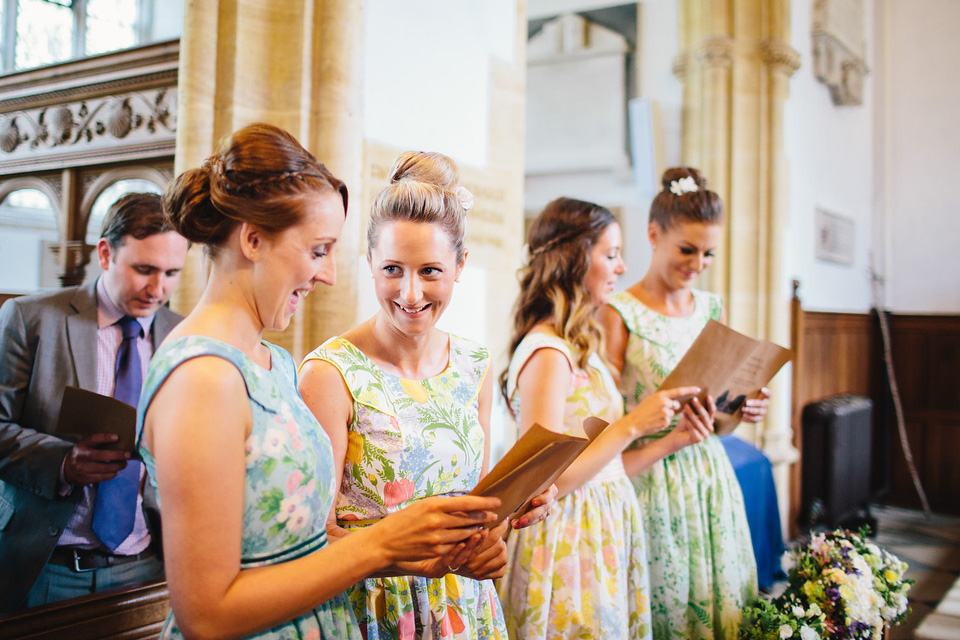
(410, 439)
(289, 486)
(702, 568)
(582, 572)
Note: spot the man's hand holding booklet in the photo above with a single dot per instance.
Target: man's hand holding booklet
(534, 462)
(84, 412)
(729, 366)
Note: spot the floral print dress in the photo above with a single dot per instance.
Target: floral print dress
(582, 572)
(410, 439)
(702, 567)
(289, 484)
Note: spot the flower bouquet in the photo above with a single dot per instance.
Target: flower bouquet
(840, 586)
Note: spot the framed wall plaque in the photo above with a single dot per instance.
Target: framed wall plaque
(835, 237)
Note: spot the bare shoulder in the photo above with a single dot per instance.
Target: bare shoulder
(208, 379)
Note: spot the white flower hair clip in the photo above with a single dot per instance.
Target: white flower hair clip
(465, 197)
(684, 185)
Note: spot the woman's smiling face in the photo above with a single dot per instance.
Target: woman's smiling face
(683, 252)
(606, 265)
(297, 258)
(414, 269)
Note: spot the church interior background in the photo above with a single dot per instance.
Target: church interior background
(827, 126)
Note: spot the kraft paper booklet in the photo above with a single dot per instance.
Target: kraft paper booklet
(729, 366)
(532, 464)
(84, 412)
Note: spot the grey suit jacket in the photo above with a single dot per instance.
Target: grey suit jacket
(47, 341)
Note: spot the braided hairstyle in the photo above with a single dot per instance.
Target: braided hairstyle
(424, 187)
(678, 203)
(261, 175)
(552, 284)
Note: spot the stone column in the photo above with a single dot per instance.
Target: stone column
(335, 134)
(735, 66)
(296, 64)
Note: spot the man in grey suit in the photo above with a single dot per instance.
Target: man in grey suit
(48, 485)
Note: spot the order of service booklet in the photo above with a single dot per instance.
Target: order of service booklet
(532, 464)
(83, 413)
(729, 366)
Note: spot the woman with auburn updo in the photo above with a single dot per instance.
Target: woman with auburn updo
(244, 472)
(702, 567)
(407, 407)
(582, 572)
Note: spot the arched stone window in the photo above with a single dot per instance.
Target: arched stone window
(28, 230)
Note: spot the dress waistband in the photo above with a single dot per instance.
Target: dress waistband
(359, 524)
(613, 470)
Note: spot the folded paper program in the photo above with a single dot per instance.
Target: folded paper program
(729, 366)
(534, 462)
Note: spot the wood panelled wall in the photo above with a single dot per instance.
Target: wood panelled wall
(833, 353)
(926, 359)
(843, 353)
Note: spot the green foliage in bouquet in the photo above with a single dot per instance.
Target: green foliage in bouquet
(840, 587)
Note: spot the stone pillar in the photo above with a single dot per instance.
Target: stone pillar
(296, 64)
(335, 135)
(735, 65)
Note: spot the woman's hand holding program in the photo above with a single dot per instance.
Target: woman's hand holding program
(539, 508)
(489, 560)
(656, 411)
(438, 527)
(695, 424)
(755, 409)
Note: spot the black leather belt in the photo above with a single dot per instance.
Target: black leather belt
(90, 559)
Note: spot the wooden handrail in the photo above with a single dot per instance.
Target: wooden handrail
(124, 613)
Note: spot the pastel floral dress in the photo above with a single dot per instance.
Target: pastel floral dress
(702, 567)
(410, 439)
(289, 484)
(582, 572)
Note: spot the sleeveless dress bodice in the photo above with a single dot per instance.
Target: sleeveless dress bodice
(289, 482)
(407, 440)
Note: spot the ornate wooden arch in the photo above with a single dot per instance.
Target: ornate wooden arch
(100, 183)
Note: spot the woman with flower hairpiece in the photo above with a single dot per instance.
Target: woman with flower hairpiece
(702, 567)
(407, 407)
(582, 572)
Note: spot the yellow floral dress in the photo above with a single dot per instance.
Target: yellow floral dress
(582, 572)
(410, 439)
(702, 568)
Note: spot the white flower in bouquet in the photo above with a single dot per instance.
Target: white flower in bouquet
(806, 633)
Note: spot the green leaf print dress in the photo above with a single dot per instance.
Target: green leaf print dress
(411, 439)
(289, 485)
(702, 568)
(582, 572)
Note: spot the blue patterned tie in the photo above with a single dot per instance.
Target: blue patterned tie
(116, 504)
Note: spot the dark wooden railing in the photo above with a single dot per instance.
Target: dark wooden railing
(126, 613)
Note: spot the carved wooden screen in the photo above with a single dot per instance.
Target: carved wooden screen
(69, 132)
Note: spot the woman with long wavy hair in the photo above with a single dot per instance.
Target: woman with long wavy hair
(582, 571)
